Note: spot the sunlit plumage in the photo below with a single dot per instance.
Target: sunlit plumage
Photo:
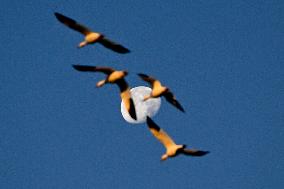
(113, 77)
(172, 149)
(90, 36)
(159, 90)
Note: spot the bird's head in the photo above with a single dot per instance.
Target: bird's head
(164, 157)
(82, 44)
(101, 83)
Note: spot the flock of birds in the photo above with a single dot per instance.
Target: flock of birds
(118, 77)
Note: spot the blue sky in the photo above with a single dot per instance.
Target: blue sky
(222, 59)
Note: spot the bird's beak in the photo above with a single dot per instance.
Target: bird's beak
(82, 44)
(164, 157)
(101, 83)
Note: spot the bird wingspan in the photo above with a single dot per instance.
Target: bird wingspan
(72, 24)
(171, 99)
(113, 46)
(160, 134)
(194, 152)
(147, 78)
(86, 68)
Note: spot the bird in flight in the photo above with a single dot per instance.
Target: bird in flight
(113, 77)
(91, 36)
(172, 149)
(159, 90)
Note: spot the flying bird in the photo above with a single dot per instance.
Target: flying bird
(113, 77)
(172, 148)
(159, 90)
(90, 36)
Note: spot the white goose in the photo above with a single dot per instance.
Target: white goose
(113, 77)
(172, 148)
(90, 36)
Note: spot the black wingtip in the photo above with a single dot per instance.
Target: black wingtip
(202, 153)
(113, 45)
(64, 19)
(59, 16)
(177, 105)
(123, 51)
(84, 68)
(192, 152)
(152, 124)
(199, 153)
(181, 109)
(77, 67)
(119, 49)
(142, 75)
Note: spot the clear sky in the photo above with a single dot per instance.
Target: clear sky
(223, 60)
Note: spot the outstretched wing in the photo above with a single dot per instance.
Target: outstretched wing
(193, 152)
(72, 24)
(113, 46)
(86, 68)
(171, 99)
(160, 134)
(149, 79)
(126, 97)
